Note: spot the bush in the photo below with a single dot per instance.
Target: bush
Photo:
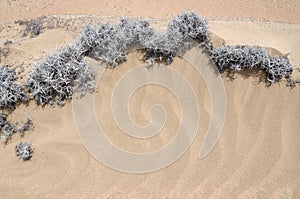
(279, 67)
(7, 129)
(24, 151)
(110, 43)
(190, 24)
(163, 47)
(56, 78)
(11, 92)
(33, 27)
(238, 58)
(3, 120)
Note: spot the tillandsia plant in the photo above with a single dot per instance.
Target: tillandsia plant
(3, 120)
(177, 39)
(279, 67)
(24, 151)
(8, 129)
(64, 72)
(56, 78)
(109, 46)
(237, 58)
(163, 47)
(110, 43)
(190, 24)
(11, 92)
(33, 27)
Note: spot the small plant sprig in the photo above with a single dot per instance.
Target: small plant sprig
(24, 151)
(8, 129)
(33, 27)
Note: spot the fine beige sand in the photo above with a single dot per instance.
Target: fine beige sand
(257, 155)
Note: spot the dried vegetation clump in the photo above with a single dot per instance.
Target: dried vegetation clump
(110, 43)
(8, 129)
(32, 27)
(23, 151)
(177, 39)
(237, 58)
(56, 78)
(11, 91)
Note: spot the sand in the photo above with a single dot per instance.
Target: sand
(256, 156)
(274, 10)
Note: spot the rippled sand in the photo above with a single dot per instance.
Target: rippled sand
(257, 155)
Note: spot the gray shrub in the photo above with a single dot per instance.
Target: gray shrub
(237, 58)
(8, 129)
(177, 39)
(190, 24)
(33, 27)
(279, 67)
(11, 92)
(56, 78)
(109, 43)
(23, 150)
(3, 120)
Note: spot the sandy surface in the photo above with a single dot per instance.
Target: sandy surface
(275, 10)
(257, 155)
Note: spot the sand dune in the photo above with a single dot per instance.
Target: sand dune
(257, 155)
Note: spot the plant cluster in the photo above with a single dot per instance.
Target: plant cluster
(109, 43)
(237, 58)
(33, 27)
(24, 151)
(56, 78)
(11, 92)
(7, 129)
(177, 39)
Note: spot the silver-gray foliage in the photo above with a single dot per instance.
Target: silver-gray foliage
(177, 39)
(3, 120)
(279, 67)
(190, 24)
(24, 151)
(8, 129)
(109, 43)
(11, 92)
(33, 27)
(56, 78)
(238, 58)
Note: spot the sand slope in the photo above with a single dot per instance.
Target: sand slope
(257, 155)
